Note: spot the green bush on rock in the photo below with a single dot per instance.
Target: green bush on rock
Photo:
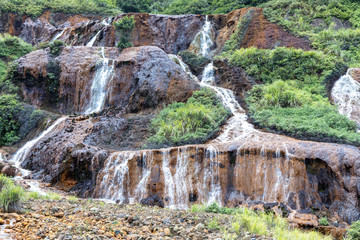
(11, 195)
(192, 122)
(125, 26)
(354, 232)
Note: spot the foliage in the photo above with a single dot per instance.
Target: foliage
(35, 8)
(324, 222)
(11, 48)
(192, 122)
(196, 62)
(125, 26)
(238, 36)
(293, 98)
(261, 223)
(320, 22)
(178, 7)
(213, 224)
(354, 232)
(134, 5)
(11, 195)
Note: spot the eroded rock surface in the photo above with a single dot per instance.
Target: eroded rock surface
(143, 78)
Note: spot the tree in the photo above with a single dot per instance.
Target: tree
(125, 26)
(134, 5)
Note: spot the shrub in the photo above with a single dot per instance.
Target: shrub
(192, 122)
(10, 195)
(354, 232)
(125, 26)
(324, 222)
(35, 8)
(56, 47)
(196, 62)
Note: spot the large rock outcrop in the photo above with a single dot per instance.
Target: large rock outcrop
(256, 31)
(170, 33)
(143, 78)
(262, 167)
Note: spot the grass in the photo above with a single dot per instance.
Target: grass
(11, 195)
(192, 122)
(264, 224)
(35, 8)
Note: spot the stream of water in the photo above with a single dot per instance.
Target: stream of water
(346, 94)
(98, 88)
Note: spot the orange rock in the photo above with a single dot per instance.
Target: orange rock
(303, 220)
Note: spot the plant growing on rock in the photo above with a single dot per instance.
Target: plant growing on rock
(354, 231)
(125, 26)
(324, 222)
(192, 122)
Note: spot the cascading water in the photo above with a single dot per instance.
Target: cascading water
(346, 94)
(98, 87)
(57, 36)
(23, 152)
(106, 23)
(204, 40)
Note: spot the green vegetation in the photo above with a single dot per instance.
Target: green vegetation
(16, 119)
(320, 21)
(192, 122)
(354, 231)
(35, 8)
(293, 98)
(324, 222)
(125, 26)
(55, 46)
(264, 224)
(11, 195)
(196, 62)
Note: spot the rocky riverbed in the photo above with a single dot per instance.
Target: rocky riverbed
(93, 219)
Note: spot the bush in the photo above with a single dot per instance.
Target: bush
(192, 122)
(324, 222)
(35, 8)
(125, 26)
(196, 62)
(354, 232)
(56, 47)
(10, 195)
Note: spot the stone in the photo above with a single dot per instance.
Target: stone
(200, 227)
(2, 222)
(167, 232)
(303, 220)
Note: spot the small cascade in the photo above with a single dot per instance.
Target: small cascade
(141, 188)
(183, 65)
(169, 180)
(93, 39)
(237, 126)
(23, 152)
(212, 176)
(204, 40)
(106, 22)
(57, 36)
(98, 87)
(346, 94)
(115, 180)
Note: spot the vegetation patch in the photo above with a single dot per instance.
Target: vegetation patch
(261, 223)
(192, 122)
(11, 195)
(125, 26)
(35, 8)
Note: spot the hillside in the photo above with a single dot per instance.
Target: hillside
(174, 103)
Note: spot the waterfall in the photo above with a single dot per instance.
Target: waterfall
(204, 40)
(346, 94)
(23, 152)
(106, 23)
(212, 175)
(98, 87)
(168, 178)
(93, 39)
(58, 35)
(184, 67)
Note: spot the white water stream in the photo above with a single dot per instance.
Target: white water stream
(346, 94)
(98, 88)
(106, 23)
(57, 36)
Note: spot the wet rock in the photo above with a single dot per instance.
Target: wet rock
(153, 200)
(355, 73)
(303, 220)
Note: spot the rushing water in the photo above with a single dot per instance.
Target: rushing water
(106, 23)
(346, 94)
(98, 87)
(57, 36)
(23, 152)
(204, 40)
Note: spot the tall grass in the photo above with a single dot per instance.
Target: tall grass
(11, 195)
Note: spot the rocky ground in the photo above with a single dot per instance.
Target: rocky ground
(92, 219)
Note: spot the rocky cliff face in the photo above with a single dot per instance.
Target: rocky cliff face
(99, 156)
(262, 167)
(170, 33)
(143, 78)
